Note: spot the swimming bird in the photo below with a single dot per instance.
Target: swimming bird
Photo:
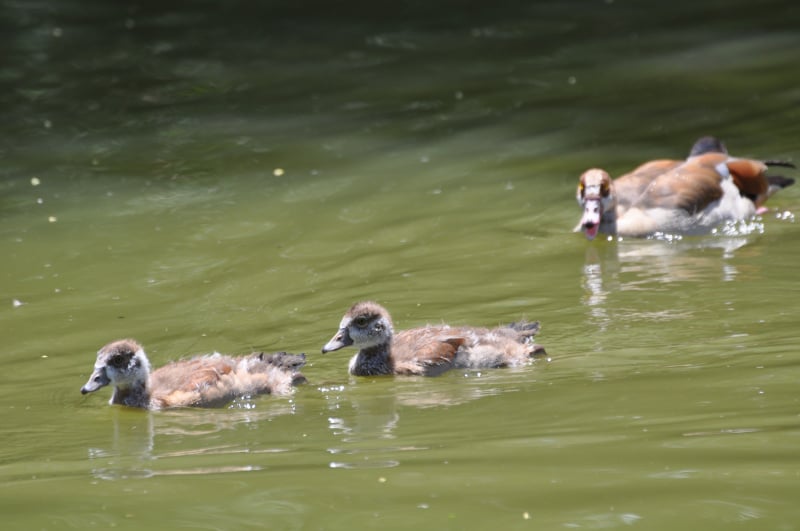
(691, 196)
(202, 381)
(429, 350)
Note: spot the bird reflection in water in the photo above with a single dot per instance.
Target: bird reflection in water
(179, 442)
(655, 266)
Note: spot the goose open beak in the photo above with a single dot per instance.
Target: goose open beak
(590, 222)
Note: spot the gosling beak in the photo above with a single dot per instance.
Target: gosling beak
(340, 340)
(98, 379)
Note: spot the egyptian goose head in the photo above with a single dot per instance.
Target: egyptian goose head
(596, 198)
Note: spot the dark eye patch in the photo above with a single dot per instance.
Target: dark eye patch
(119, 361)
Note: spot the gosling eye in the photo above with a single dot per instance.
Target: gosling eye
(360, 322)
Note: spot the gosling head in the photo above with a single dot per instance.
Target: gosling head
(366, 324)
(122, 364)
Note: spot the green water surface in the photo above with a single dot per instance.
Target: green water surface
(232, 176)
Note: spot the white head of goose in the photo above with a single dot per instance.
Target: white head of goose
(202, 381)
(691, 196)
(428, 350)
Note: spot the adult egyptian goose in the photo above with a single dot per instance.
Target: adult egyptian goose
(691, 196)
(428, 350)
(202, 381)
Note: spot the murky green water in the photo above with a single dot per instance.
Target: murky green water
(427, 159)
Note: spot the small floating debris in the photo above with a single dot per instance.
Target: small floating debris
(277, 172)
(16, 303)
(35, 181)
(52, 219)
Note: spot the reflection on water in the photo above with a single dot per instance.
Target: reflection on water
(627, 283)
(368, 412)
(140, 443)
(594, 283)
(651, 263)
(360, 423)
(647, 265)
(608, 520)
(131, 444)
